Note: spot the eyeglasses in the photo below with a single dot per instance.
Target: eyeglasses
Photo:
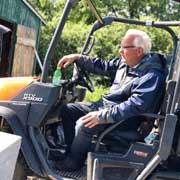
(128, 47)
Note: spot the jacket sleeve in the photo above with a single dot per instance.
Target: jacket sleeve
(99, 66)
(144, 93)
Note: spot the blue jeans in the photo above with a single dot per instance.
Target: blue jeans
(80, 143)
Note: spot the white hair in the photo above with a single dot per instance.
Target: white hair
(141, 39)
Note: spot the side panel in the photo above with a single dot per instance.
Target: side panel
(26, 146)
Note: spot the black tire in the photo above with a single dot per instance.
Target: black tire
(21, 169)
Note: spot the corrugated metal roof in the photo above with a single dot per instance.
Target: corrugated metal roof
(33, 10)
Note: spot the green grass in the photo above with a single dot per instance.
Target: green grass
(92, 97)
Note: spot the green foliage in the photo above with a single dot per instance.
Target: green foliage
(159, 10)
(44, 7)
(92, 97)
(107, 41)
(162, 10)
(108, 38)
(71, 42)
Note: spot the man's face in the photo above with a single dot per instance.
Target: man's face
(131, 55)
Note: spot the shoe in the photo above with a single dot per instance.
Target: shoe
(56, 155)
(69, 164)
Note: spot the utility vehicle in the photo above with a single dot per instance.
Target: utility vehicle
(36, 103)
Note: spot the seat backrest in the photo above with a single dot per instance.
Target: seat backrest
(172, 101)
(175, 108)
(160, 103)
(163, 102)
(176, 142)
(168, 97)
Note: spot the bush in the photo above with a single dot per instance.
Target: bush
(71, 41)
(107, 41)
(92, 97)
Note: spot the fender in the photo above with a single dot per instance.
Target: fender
(26, 147)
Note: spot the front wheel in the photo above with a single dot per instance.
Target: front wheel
(21, 169)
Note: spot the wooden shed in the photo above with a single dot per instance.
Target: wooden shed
(18, 41)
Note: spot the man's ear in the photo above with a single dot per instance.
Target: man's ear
(140, 51)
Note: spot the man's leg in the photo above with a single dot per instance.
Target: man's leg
(83, 141)
(70, 113)
(80, 147)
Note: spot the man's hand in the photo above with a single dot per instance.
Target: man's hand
(90, 120)
(65, 61)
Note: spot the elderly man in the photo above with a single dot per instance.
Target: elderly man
(138, 79)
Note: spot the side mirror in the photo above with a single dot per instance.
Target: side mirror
(91, 44)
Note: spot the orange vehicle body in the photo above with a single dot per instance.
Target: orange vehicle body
(10, 87)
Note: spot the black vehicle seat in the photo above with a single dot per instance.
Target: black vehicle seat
(126, 138)
(137, 154)
(113, 138)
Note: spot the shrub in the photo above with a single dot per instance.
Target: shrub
(92, 97)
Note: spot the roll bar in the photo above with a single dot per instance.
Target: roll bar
(165, 25)
(58, 32)
(54, 40)
(101, 22)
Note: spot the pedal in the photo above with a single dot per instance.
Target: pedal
(35, 178)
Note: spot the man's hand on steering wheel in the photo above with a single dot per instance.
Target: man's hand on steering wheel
(82, 76)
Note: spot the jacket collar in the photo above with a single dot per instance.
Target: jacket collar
(149, 61)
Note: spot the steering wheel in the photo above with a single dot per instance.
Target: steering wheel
(83, 78)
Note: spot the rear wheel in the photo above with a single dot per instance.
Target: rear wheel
(21, 169)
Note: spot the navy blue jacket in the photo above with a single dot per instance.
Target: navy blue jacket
(134, 90)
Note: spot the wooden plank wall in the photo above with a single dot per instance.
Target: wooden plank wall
(24, 51)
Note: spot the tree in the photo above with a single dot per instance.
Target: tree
(44, 7)
(80, 17)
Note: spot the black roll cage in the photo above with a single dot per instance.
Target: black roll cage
(101, 22)
(157, 24)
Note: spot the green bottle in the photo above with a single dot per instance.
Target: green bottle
(57, 77)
